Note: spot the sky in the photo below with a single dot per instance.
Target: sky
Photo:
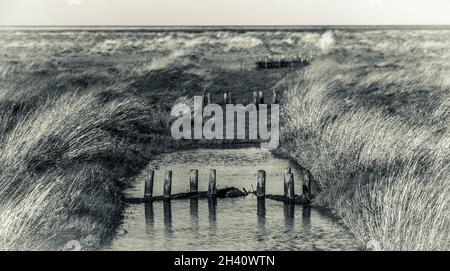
(223, 12)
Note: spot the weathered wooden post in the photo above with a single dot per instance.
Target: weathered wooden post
(208, 98)
(265, 64)
(286, 180)
(148, 188)
(261, 97)
(225, 98)
(255, 98)
(193, 185)
(229, 100)
(275, 97)
(261, 185)
(167, 184)
(309, 182)
(212, 183)
(291, 186)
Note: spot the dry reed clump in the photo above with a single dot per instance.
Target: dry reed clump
(384, 171)
(64, 167)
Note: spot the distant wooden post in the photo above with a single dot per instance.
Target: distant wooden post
(208, 98)
(212, 183)
(193, 187)
(291, 184)
(275, 97)
(261, 97)
(286, 180)
(309, 182)
(261, 186)
(265, 64)
(168, 184)
(255, 97)
(225, 98)
(148, 189)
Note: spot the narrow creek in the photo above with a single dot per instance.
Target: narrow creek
(230, 223)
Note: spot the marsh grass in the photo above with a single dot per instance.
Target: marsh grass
(64, 167)
(377, 148)
(83, 112)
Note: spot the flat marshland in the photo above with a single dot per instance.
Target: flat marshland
(83, 112)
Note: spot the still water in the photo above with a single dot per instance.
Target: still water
(231, 223)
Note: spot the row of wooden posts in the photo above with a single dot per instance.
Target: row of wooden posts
(282, 62)
(167, 188)
(258, 98)
(288, 179)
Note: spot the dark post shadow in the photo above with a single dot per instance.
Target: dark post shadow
(149, 217)
(167, 217)
(289, 215)
(193, 207)
(261, 214)
(261, 211)
(306, 215)
(212, 205)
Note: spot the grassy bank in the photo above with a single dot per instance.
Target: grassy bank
(78, 123)
(377, 141)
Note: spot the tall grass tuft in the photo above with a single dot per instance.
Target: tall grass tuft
(65, 165)
(377, 142)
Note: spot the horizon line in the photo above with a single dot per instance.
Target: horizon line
(299, 25)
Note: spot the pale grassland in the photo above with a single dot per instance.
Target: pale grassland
(384, 168)
(64, 167)
(83, 112)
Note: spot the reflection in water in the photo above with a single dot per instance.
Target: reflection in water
(212, 205)
(261, 213)
(168, 218)
(149, 217)
(226, 224)
(193, 208)
(289, 215)
(306, 215)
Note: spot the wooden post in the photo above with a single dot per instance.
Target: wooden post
(255, 98)
(193, 186)
(261, 97)
(212, 183)
(291, 186)
(225, 98)
(309, 182)
(261, 186)
(274, 97)
(148, 189)
(265, 64)
(229, 100)
(168, 184)
(286, 180)
(208, 98)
